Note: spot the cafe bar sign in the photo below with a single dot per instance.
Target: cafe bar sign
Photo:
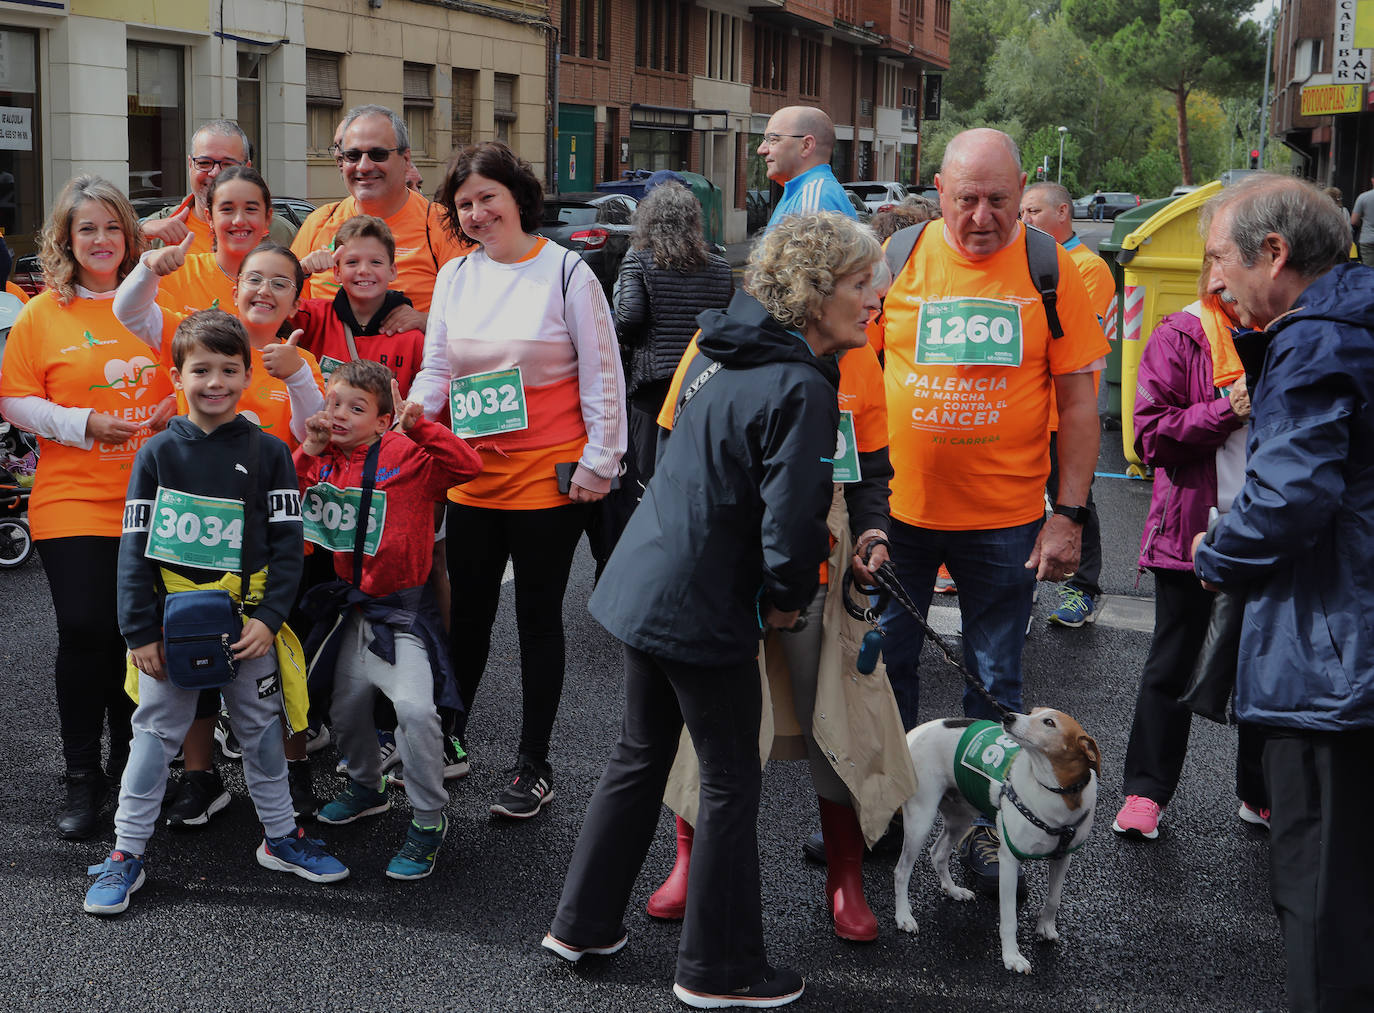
(1329, 99)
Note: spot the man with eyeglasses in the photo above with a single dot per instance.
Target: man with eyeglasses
(796, 149)
(373, 155)
(215, 146)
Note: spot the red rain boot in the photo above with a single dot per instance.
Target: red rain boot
(669, 901)
(844, 880)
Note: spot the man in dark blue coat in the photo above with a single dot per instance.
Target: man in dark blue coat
(1297, 543)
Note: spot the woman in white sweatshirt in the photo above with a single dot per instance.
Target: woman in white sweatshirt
(521, 352)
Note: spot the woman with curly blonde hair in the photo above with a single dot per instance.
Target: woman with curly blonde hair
(90, 391)
(727, 544)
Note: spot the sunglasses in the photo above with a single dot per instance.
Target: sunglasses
(355, 155)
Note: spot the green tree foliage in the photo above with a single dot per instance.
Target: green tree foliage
(1175, 45)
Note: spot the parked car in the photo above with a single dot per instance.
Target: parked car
(1116, 202)
(595, 225)
(860, 208)
(927, 190)
(877, 196)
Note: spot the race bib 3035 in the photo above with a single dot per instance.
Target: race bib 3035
(331, 518)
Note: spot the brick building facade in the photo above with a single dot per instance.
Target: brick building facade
(677, 84)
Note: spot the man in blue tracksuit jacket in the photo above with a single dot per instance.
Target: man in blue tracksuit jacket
(796, 149)
(1297, 544)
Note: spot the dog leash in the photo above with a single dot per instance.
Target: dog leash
(888, 582)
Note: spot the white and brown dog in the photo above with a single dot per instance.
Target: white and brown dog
(1036, 774)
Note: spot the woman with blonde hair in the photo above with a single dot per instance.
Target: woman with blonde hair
(91, 392)
(726, 545)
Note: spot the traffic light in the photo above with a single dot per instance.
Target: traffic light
(1254, 158)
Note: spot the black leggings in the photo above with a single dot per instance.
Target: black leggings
(82, 574)
(539, 544)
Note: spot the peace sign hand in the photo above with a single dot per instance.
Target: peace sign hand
(406, 413)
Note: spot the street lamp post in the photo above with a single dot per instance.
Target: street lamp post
(1062, 132)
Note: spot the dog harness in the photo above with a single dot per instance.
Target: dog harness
(981, 761)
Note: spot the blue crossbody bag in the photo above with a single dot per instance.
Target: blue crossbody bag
(198, 627)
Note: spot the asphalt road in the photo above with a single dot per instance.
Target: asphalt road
(1181, 923)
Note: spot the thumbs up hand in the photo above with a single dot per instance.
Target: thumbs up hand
(168, 259)
(283, 360)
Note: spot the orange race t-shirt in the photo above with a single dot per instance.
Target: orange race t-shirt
(423, 245)
(81, 356)
(15, 290)
(199, 284)
(266, 402)
(969, 373)
(1097, 278)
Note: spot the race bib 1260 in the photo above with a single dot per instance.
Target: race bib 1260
(484, 404)
(846, 451)
(331, 518)
(969, 332)
(200, 531)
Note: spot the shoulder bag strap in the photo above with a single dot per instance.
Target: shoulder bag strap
(695, 386)
(365, 510)
(248, 484)
(352, 345)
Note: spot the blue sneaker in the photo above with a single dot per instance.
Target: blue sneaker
(386, 742)
(302, 855)
(415, 860)
(353, 803)
(1075, 609)
(119, 876)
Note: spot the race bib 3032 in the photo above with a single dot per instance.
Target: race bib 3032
(484, 404)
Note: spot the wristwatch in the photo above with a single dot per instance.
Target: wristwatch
(1077, 514)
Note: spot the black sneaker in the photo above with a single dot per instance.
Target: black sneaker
(813, 848)
(778, 989)
(978, 853)
(200, 795)
(301, 783)
(87, 791)
(224, 735)
(531, 790)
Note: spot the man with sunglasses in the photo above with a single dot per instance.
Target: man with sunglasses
(373, 155)
(796, 149)
(215, 146)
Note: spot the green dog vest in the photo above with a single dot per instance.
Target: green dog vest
(980, 764)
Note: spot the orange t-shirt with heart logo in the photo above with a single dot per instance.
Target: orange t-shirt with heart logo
(80, 356)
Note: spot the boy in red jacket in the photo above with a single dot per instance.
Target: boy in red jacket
(348, 327)
(367, 488)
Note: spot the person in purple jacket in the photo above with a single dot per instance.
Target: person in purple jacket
(1190, 420)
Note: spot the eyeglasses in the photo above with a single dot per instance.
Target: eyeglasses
(206, 164)
(354, 155)
(278, 285)
(771, 139)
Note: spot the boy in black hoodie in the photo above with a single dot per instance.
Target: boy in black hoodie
(210, 487)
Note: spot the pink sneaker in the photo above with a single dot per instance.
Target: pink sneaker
(1259, 817)
(1139, 817)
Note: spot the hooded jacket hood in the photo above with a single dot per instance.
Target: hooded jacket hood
(743, 335)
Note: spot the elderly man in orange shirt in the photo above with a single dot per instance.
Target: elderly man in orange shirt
(972, 364)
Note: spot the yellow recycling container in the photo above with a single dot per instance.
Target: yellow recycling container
(1161, 260)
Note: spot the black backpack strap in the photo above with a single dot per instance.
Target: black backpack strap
(900, 246)
(365, 510)
(1042, 257)
(692, 389)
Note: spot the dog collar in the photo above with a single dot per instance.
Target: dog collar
(1072, 789)
(1064, 834)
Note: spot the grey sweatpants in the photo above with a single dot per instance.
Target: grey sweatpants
(359, 675)
(160, 723)
(803, 653)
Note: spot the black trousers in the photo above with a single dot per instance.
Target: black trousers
(1159, 732)
(82, 576)
(1086, 578)
(540, 545)
(1320, 875)
(721, 947)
